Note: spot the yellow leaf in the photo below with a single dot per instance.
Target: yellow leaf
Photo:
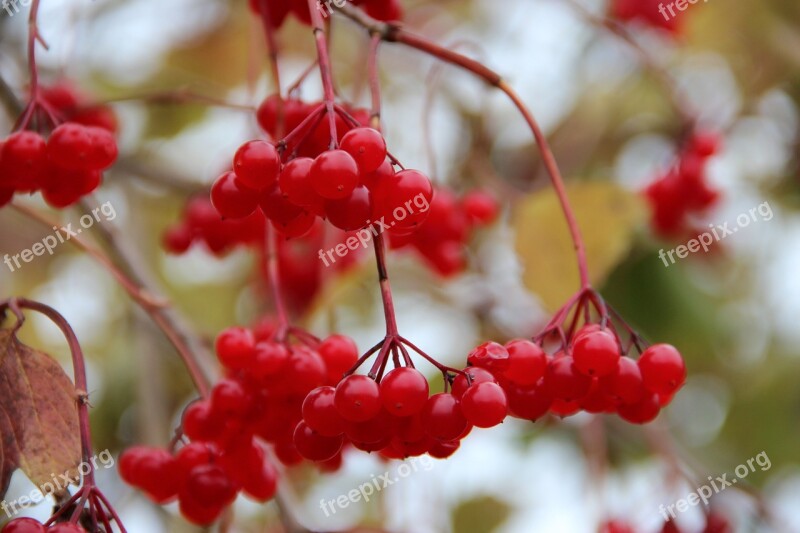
(607, 216)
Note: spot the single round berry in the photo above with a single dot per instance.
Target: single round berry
(528, 403)
(23, 158)
(476, 375)
(177, 239)
(484, 405)
(313, 446)
(367, 146)
(442, 417)
(257, 164)
(199, 422)
(526, 362)
(625, 383)
(104, 149)
(230, 199)
(642, 412)
(269, 359)
(230, 399)
(70, 146)
(350, 213)
(563, 381)
(596, 353)
(24, 525)
(404, 199)
(334, 174)
(295, 182)
(319, 412)
(340, 353)
(491, 356)
(357, 398)
(663, 369)
(304, 371)
(480, 207)
(210, 485)
(404, 391)
(235, 347)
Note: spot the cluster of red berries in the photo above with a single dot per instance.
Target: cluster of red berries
(652, 13)
(350, 186)
(65, 167)
(200, 223)
(204, 476)
(441, 237)
(590, 374)
(395, 416)
(279, 10)
(69, 104)
(29, 525)
(259, 400)
(684, 191)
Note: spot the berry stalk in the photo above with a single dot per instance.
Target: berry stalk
(325, 69)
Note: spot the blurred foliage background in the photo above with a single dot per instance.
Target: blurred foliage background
(733, 312)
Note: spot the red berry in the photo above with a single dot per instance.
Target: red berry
(23, 160)
(24, 525)
(404, 200)
(5, 196)
(257, 164)
(350, 213)
(334, 174)
(526, 362)
(319, 412)
(209, 485)
(235, 347)
(304, 371)
(230, 199)
(230, 399)
(563, 381)
(642, 412)
(177, 239)
(269, 359)
(313, 446)
(484, 405)
(199, 422)
(197, 513)
(476, 375)
(295, 182)
(529, 403)
(443, 450)
(442, 417)
(596, 353)
(663, 369)
(404, 391)
(103, 150)
(70, 146)
(340, 353)
(625, 383)
(357, 398)
(491, 356)
(367, 146)
(480, 206)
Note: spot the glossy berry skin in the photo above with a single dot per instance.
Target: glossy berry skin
(491, 356)
(404, 391)
(340, 353)
(625, 383)
(23, 159)
(663, 369)
(313, 446)
(442, 417)
(103, 150)
(70, 146)
(357, 398)
(642, 412)
(320, 414)
(295, 182)
(484, 405)
(235, 347)
(476, 375)
(403, 200)
(527, 362)
(209, 485)
(563, 381)
(528, 403)
(334, 174)
(230, 199)
(257, 164)
(352, 212)
(269, 359)
(24, 525)
(596, 353)
(367, 146)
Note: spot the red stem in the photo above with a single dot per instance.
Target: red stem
(273, 273)
(324, 68)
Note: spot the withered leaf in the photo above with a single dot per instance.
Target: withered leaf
(38, 416)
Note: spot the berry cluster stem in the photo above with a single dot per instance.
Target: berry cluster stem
(395, 34)
(326, 72)
(273, 273)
